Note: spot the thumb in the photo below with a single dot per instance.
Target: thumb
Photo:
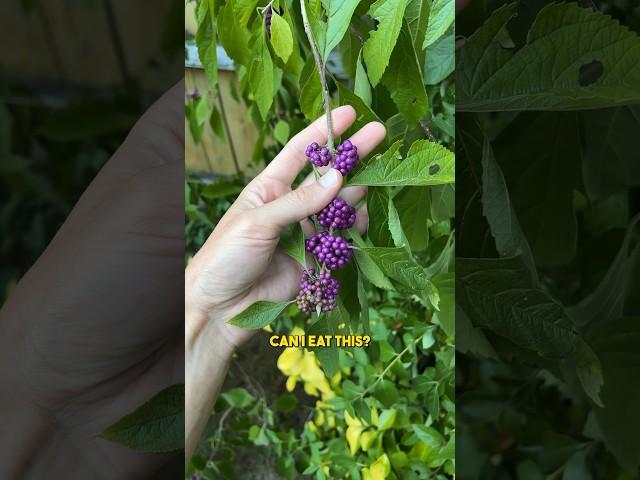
(303, 201)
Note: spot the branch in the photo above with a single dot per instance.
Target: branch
(321, 73)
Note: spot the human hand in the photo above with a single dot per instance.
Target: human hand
(240, 264)
(94, 329)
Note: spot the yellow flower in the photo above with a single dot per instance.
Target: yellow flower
(290, 361)
(351, 421)
(381, 468)
(291, 383)
(367, 439)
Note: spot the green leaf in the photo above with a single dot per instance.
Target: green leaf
(243, 9)
(366, 266)
(221, 188)
(235, 38)
(440, 58)
(259, 314)
(386, 393)
(470, 339)
(610, 150)
(574, 58)
(381, 42)
(616, 343)
(441, 17)
(429, 435)
(496, 207)
(285, 403)
(427, 163)
(281, 37)
(339, 13)
(398, 265)
(363, 299)
(378, 211)
(403, 79)
(292, 243)
(412, 204)
(281, 132)
(205, 40)
(417, 16)
(362, 87)
(445, 315)
(499, 295)
(238, 397)
(260, 75)
(155, 426)
(443, 202)
(606, 302)
(310, 91)
(395, 227)
(328, 356)
(217, 125)
(386, 419)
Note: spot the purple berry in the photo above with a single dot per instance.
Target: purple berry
(319, 156)
(338, 215)
(346, 158)
(333, 252)
(317, 290)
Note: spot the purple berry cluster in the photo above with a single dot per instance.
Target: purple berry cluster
(333, 252)
(338, 215)
(319, 156)
(317, 289)
(346, 158)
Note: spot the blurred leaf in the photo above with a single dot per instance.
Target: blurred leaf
(259, 314)
(156, 426)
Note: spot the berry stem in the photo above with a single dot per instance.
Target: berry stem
(322, 75)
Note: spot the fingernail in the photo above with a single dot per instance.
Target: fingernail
(329, 179)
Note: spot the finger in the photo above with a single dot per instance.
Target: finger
(301, 202)
(362, 219)
(307, 227)
(353, 194)
(291, 160)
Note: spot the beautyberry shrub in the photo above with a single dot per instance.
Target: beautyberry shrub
(338, 215)
(332, 251)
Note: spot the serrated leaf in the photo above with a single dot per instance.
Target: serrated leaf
(429, 436)
(412, 204)
(261, 75)
(417, 16)
(403, 79)
(381, 42)
(339, 13)
(155, 426)
(243, 10)
(378, 211)
(259, 314)
(281, 37)
(310, 91)
(233, 37)
(397, 264)
(427, 163)
(361, 84)
(441, 17)
(440, 58)
(205, 40)
(496, 207)
(498, 294)
(574, 58)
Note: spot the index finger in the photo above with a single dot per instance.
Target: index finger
(291, 160)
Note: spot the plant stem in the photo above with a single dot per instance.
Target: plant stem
(321, 73)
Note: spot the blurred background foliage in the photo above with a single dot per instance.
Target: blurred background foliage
(74, 78)
(571, 180)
